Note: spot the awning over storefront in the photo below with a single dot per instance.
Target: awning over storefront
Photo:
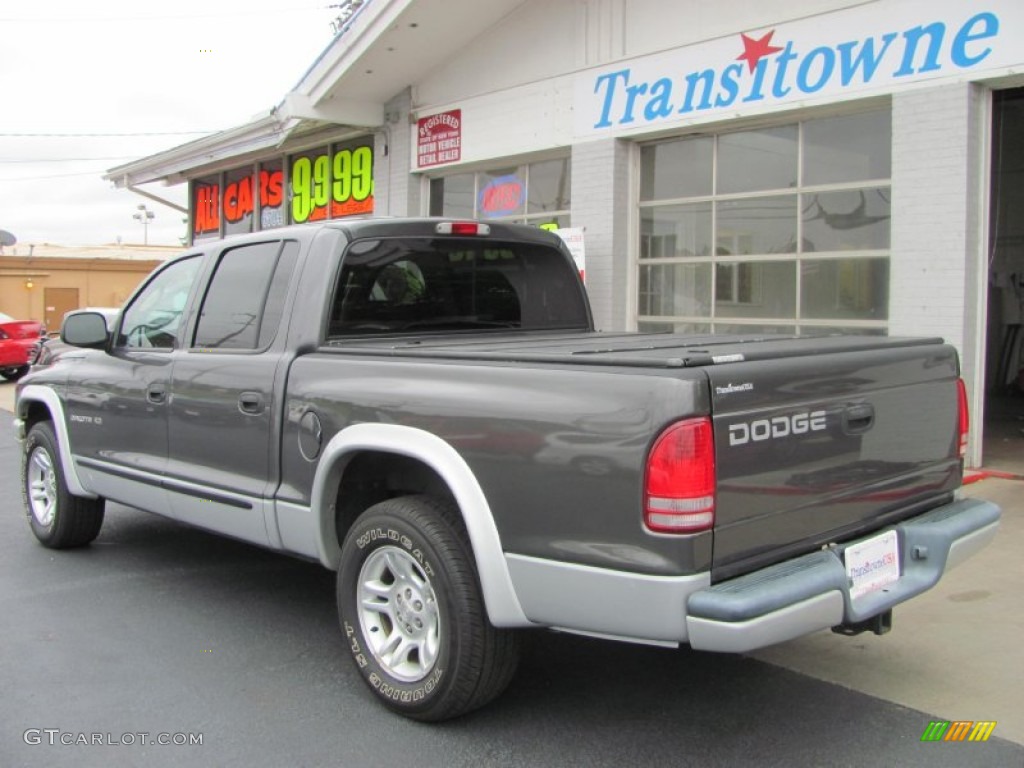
(384, 46)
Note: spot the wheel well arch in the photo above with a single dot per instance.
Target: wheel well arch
(38, 402)
(402, 459)
(33, 412)
(369, 477)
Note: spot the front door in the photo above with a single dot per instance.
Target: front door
(117, 399)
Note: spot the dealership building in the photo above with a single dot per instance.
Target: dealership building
(746, 168)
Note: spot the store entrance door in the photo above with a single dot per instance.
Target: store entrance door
(1004, 403)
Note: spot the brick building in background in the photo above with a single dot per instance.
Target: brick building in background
(42, 282)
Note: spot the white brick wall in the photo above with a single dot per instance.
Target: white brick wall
(934, 233)
(396, 191)
(601, 205)
(939, 266)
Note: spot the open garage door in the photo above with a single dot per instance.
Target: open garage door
(1004, 406)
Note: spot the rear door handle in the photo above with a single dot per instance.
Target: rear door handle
(250, 402)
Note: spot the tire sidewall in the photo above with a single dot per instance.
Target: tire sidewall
(41, 437)
(372, 532)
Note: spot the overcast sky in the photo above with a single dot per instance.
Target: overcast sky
(72, 72)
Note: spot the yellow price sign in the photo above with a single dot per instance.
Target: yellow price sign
(328, 185)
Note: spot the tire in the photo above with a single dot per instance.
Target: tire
(13, 374)
(412, 613)
(58, 519)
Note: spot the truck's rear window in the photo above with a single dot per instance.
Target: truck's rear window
(412, 285)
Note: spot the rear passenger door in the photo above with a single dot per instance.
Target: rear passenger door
(223, 438)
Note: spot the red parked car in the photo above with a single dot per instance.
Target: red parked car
(17, 338)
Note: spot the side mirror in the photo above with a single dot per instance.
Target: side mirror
(85, 329)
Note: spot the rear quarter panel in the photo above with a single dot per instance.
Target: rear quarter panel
(558, 452)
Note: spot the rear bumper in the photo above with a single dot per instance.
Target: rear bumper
(812, 592)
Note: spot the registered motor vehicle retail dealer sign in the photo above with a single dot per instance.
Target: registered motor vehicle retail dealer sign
(439, 139)
(872, 49)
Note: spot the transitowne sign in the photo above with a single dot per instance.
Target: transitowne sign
(874, 48)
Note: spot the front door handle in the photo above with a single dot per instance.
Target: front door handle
(156, 394)
(250, 402)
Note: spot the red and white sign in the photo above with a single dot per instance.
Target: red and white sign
(439, 139)
(573, 238)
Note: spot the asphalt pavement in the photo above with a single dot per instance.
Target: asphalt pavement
(162, 633)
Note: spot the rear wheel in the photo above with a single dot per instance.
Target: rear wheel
(412, 613)
(59, 519)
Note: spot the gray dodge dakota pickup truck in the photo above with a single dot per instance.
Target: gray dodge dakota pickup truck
(424, 407)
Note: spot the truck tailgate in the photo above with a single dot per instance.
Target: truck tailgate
(814, 448)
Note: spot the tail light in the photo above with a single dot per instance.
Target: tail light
(963, 416)
(679, 487)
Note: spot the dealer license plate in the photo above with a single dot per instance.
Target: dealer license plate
(872, 564)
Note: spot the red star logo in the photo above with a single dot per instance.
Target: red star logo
(755, 49)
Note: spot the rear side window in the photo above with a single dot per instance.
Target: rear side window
(415, 285)
(245, 300)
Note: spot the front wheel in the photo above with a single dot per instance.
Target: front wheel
(13, 374)
(412, 613)
(59, 519)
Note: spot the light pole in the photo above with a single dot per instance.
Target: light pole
(144, 216)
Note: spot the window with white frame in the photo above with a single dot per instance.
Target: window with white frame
(536, 193)
(772, 230)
